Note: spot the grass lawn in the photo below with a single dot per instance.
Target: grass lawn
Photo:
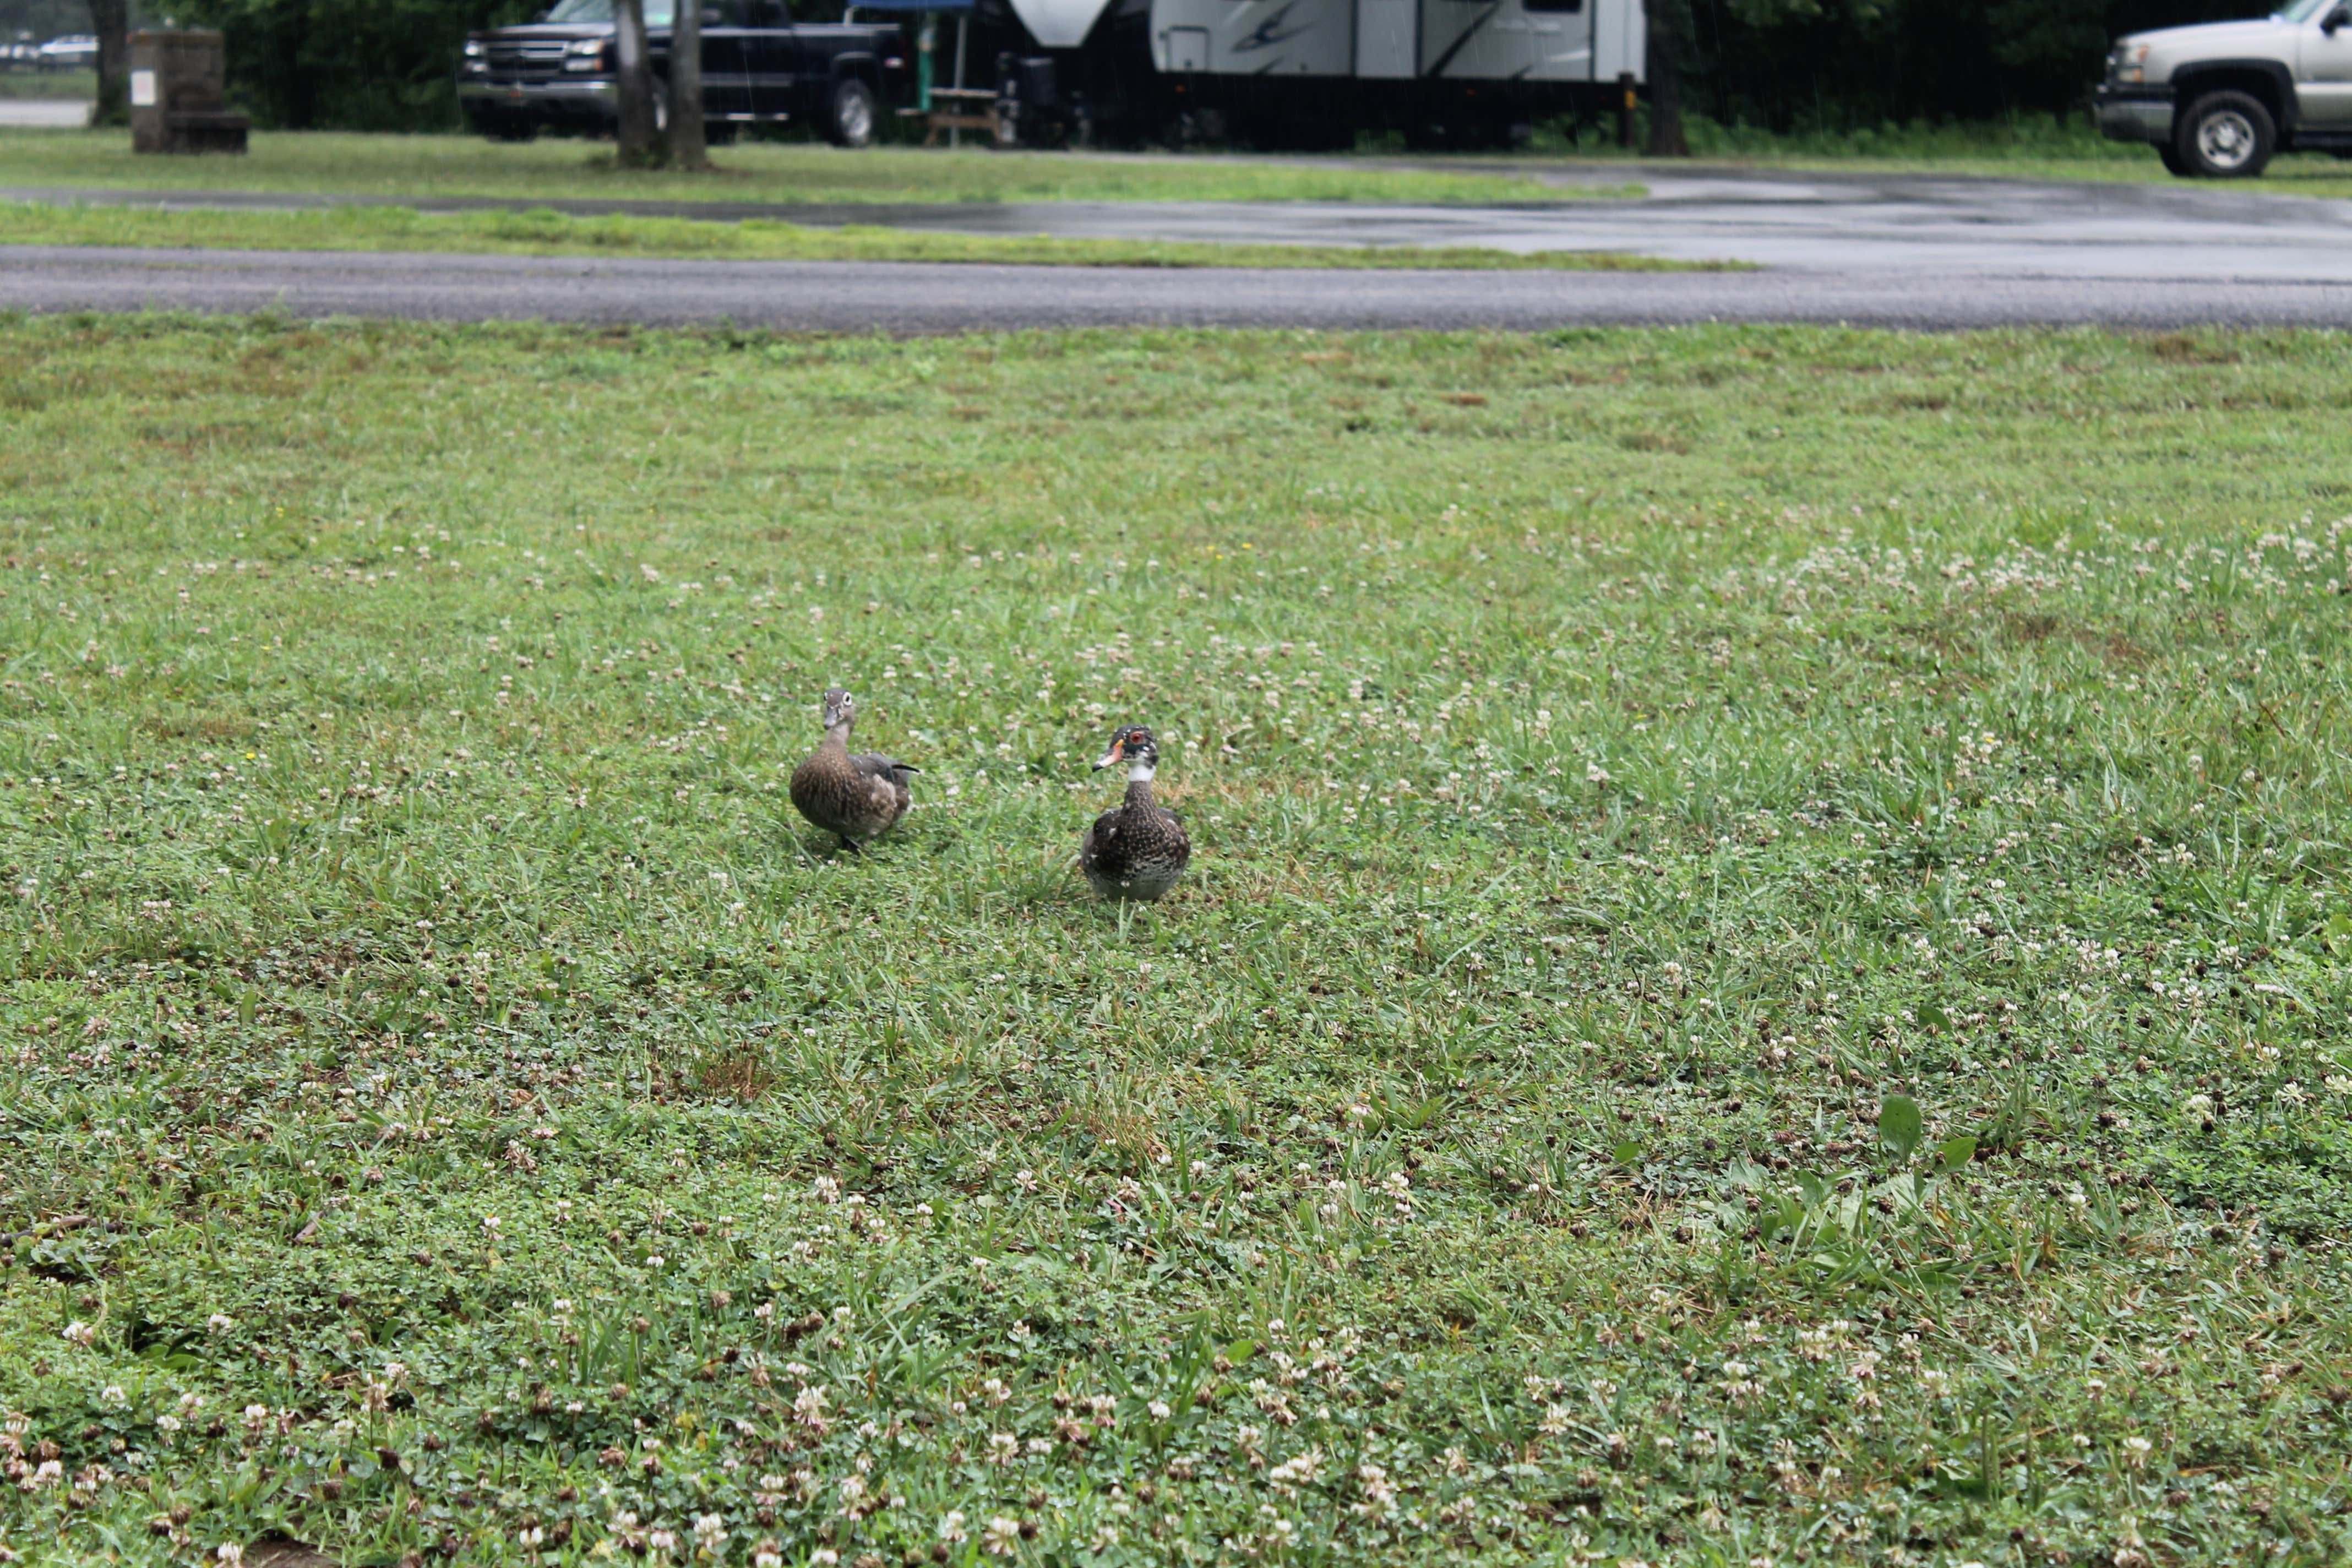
(2025, 147)
(21, 84)
(550, 169)
(1764, 976)
(2295, 175)
(547, 233)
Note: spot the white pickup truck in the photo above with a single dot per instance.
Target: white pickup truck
(2217, 99)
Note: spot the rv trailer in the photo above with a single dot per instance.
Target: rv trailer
(1305, 73)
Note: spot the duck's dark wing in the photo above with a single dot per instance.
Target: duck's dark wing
(1100, 849)
(881, 767)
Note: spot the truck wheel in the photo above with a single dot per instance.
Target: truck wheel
(2226, 136)
(849, 114)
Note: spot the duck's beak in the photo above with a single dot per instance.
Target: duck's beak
(1113, 757)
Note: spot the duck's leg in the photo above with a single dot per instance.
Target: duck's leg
(852, 845)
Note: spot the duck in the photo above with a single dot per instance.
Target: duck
(1137, 853)
(856, 796)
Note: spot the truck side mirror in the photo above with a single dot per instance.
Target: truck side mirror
(2336, 19)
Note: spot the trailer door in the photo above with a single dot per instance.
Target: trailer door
(1387, 37)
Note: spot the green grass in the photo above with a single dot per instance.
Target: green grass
(82, 85)
(545, 233)
(2022, 147)
(548, 170)
(453, 1106)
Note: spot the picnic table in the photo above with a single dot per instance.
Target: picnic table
(958, 108)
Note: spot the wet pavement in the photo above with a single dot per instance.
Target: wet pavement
(1771, 218)
(920, 297)
(1907, 251)
(43, 113)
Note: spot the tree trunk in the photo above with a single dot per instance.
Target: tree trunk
(633, 87)
(1666, 81)
(686, 149)
(110, 20)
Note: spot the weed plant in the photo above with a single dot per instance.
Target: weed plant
(1763, 979)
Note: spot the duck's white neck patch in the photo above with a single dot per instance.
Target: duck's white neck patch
(1138, 772)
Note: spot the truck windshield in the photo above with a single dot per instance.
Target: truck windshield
(658, 12)
(2299, 11)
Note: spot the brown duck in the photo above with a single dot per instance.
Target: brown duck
(856, 795)
(1138, 852)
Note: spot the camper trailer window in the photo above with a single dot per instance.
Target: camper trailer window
(1553, 4)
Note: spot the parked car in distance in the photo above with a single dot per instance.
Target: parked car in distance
(74, 53)
(759, 66)
(2219, 99)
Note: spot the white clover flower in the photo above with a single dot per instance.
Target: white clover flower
(81, 1333)
(1159, 1410)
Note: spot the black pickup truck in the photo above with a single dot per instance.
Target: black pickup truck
(759, 66)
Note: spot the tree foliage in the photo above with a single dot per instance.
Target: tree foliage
(1838, 64)
(363, 65)
(1785, 64)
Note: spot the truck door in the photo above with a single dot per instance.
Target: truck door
(726, 89)
(772, 58)
(2323, 74)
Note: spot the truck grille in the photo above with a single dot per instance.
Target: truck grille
(525, 60)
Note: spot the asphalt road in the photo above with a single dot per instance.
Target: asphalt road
(45, 113)
(1930, 253)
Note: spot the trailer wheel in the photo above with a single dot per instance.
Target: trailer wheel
(849, 114)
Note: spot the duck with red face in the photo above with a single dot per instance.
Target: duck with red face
(1137, 853)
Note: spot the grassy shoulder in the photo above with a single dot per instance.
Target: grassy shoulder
(542, 233)
(2023, 147)
(1763, 960)
(81, 86)
(333, 163)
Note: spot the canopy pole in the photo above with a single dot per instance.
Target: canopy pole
(926, 37)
